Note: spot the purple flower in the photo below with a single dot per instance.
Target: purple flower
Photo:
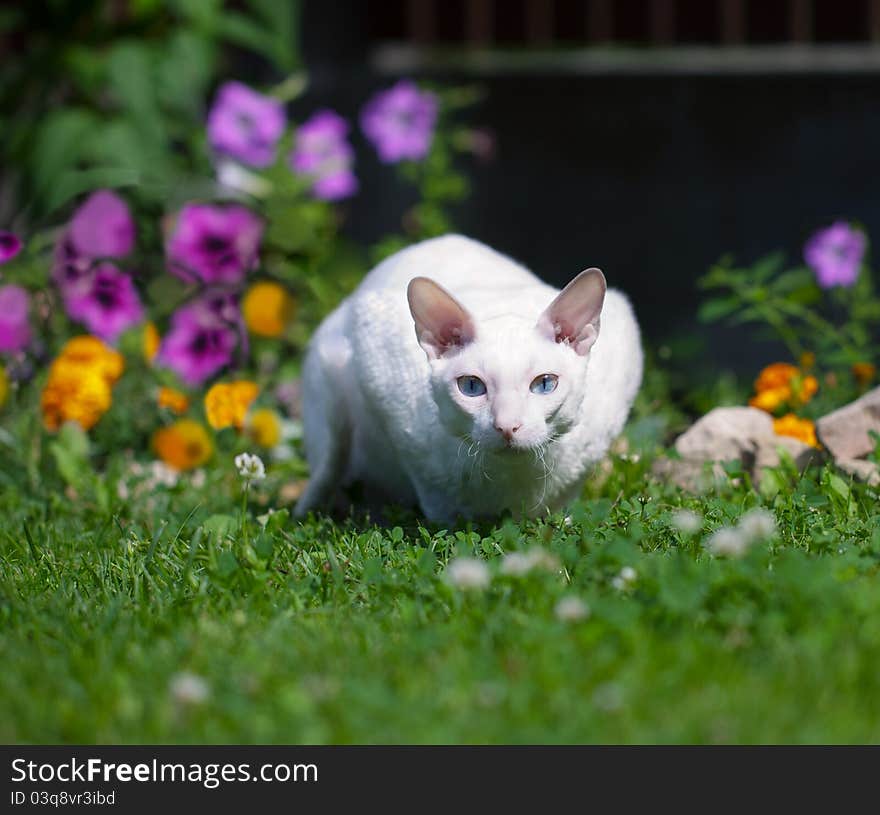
(400, 122)
(214, 244)
(10, 246)
(323, 153)
(94, 291)
(245, 124)
(102, 227)
(202, 337)
(105, 300)
(15, 329)
(835, 255)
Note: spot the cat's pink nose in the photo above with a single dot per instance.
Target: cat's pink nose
(508, 431)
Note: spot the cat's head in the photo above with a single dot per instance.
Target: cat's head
(504, 383)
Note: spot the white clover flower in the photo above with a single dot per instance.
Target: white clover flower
(686, 521)
(250, 467)
(162, 475)
(625, 578)
(467, 573)
(757, 524)
(571, 609)
(727, 542)
(235, 177)
(188, 689)
(518, 564)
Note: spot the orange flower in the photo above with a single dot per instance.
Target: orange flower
(175, 401)
(782, 383)
(267, 309)
(90, 351)
(771, 399)
(183, 445)
(227, 403)
(150, 341)
(796, 427)
(264, 427)
(777, 375)
(80, 382)
(805, 388)
(74, 393)
(863, 372)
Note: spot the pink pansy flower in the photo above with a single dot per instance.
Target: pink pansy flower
(245, 124)
(202, 337)
(323, 153)
(214, 244)
(15, 328)
(400, 122)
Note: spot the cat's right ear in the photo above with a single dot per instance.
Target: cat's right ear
(442, 323)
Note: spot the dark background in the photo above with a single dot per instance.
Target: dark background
(702, 138)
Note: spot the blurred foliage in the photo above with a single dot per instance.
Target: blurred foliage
(828, 332)
(112, 94)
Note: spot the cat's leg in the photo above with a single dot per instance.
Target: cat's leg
(326, 423)
(435, 505)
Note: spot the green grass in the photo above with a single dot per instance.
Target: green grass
(343, 631)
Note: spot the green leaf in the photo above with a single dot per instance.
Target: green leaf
(70, 449)
(131, 80)
(717, 308)
(218, 526)
(58, 145)
(183, 72)
(75, 182)
(839, 486)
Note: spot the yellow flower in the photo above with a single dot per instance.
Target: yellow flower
(74, 393)
(79, 384)
(794, 426)
(183, 445)
(264, 427)
(92, 352)
(781, 383)
(227, 403)
(267, 309)
(4, 386)
(771, 398)
(150, 341)
(863, 372)
(175, 401)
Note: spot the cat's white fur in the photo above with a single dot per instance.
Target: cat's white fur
(380, 399)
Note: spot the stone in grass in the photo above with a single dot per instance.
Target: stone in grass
(845, 431)
(860, 469)
(742, 434)
(726, 434)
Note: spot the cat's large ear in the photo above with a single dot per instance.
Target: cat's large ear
(442, 323)
(573, 317)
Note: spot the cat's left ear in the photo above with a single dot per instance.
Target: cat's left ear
(442, 323)
(573, 317)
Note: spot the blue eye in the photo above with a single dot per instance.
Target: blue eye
(471, 385)
(545, 383)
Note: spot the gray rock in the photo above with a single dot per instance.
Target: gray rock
(844, 432)
(769, 450)
(742, 434)
(860, 469)
(726, 434)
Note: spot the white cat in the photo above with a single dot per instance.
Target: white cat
(449, 379)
